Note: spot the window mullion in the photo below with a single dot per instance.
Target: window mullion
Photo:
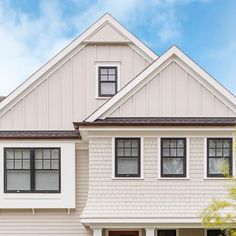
(32, 170)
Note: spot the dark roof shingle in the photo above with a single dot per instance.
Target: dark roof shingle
(162, 121)
(47, 134)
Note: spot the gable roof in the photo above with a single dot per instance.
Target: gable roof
(84, 38)
(139, 80)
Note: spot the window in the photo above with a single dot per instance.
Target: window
(32, 170)
(166, 232)
(219, 156)
(215, 233)
(127, 157)
(107, 81)
(173, 157)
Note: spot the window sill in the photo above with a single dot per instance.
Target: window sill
(173, 178)
(128, 178)
(32, 196)
(103, 98)
(216, 178)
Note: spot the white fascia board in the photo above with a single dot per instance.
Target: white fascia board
(163, 220)
(79, 40)
(173, 51)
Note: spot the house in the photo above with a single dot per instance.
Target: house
(110, 139)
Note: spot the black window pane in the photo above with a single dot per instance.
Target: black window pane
(127, 166)
(173, 166)
(108, 88)
(166, 233)
(46, 180)
(173, 157)
(107, 78)
(22, 176)
(127, 157)
(215, 233)
(18, 180)
(219, 154)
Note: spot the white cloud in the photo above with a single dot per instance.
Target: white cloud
(28, 41)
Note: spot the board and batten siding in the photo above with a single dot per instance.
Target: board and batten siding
(173, 92)
(150, 197)
(51, 221)
(67, 92)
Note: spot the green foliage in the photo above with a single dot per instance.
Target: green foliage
(222, 213)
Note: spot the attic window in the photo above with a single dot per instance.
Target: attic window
(107, 81)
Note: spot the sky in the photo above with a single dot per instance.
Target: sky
(33, 31)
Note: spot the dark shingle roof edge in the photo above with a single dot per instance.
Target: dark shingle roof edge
(161, 121)
(42, 134)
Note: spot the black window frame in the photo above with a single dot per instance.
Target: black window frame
(32, 170)
(165, 230)
(184, 175)
(113, 81)
(219, 232)
(138, 175)
(230, 158)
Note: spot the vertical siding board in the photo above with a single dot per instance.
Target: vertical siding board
(167, 91)
(29, 110)
(138, 63)
(140, 106)
(154, 97)
(126, 69)
(220, 108)
(41, 106)
(207, 104)
(78, 83)
(180, 91)
(194, 93)
(89, 68)
(54, 101)
(65, 77)
(17, 115)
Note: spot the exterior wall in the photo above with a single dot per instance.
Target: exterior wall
(67, 93)
(173, 92)
(149, 197)
(192, 232)
(51, 222)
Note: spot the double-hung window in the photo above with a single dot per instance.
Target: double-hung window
(127, 157)
(219, 157)
(107, 81)
(173, 157)
(32, 170)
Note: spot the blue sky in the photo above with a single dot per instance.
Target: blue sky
(32, 31)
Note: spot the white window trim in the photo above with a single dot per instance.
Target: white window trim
(205, 158)
(141, 159)
(159, 159)
(97, 65)
(64, 199)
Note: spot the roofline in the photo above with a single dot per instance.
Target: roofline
(39, 134)
(174, 50)
(157, 124)
(78, 40)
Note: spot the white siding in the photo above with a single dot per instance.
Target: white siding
(67, 92)
(51, 222)
(172, 92)
(149, 197)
